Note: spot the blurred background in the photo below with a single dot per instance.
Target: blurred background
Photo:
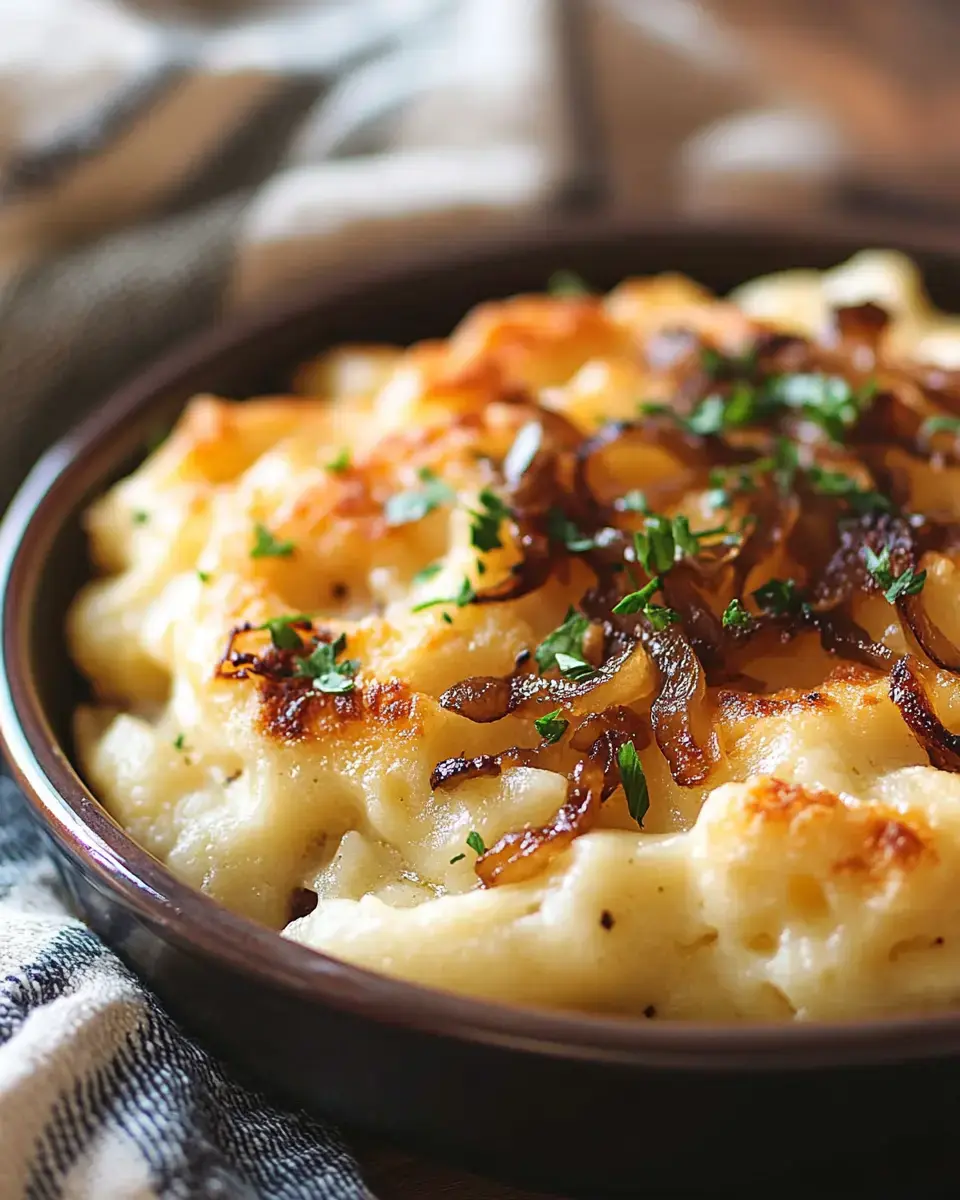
(165, 161)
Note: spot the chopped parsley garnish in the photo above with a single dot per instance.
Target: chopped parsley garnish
(523, 451)
(654, 545)
(428, 572)
(709, 417)
(660, 616)
(657, 614)
(828, 400)
(663, 540)
(736, 616)
(566, 639)
(835, 483)
(778, 596)
(465, 596)
(485, 523)
(180, 742)
(265, 545)
(475, 842)
(907, 583)
(457, 858)
(686, 542)
(407, 507)
(203, 576)
(282, 632)
(634, 782)
(322, 667)
(574, 668)
(567, 283)
(784, 465)
(340, 462)
(551, 727)
(934, 425)
(717, 365)
(633, 501)
(637, 601)
(140, 517)
(561, 529)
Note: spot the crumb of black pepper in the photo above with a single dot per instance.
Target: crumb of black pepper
(340, 591)
(606, 919)
(234, 775)
(660, 889)
(938, 941)
(649, 1012)
(522, 658)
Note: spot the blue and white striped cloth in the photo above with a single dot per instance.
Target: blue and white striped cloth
(163, 162)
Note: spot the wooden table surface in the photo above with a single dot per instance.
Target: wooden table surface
(395, 1175)
(882, 1169)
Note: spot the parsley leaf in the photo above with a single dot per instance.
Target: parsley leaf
(457, 858)
(565, 639)
(340, 462)
(633, 501)
(265, 545)
(828, 400)
(561, 529)
(654, 545)
(203, 576)
(567, 283)
(551, 727)
(523, 451)
(322, 667)
(180, 742)
(717, 365)
(637, 601)
(934, 425)
(428, 572)
(282, 632)
(660, 616)
(485, 524)
(407, 507)
(907, 583)
(140, 517)
(778, 596)
(465, 596)
(574, 668)
(634, 782)
(475, 842)
(662, 541)
(835, 483)
(784, 465)
(736, 615)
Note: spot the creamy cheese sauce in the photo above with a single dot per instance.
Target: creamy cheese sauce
(811, 873)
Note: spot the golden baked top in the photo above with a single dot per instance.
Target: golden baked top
(600, 655)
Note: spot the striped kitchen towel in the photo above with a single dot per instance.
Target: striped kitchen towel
(101, 1095)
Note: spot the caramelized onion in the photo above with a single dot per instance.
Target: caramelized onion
(521, 855)
(680, 706)
(841, 635)
(935, 644)
(910, 696)
(485, 698)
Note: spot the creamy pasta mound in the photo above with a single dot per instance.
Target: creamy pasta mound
(601, 656)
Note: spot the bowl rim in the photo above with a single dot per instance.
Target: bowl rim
(194, 921)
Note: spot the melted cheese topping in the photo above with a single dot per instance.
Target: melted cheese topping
(811, 875)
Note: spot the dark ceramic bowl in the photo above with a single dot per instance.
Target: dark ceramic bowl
(579, 1103)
